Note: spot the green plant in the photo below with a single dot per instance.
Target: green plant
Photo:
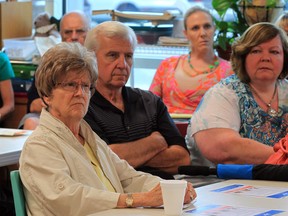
(227, 31)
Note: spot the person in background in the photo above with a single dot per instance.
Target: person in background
(282, 21)
(73, 28)
(181, 81)
(134, 123)
(65, 167)
(240, 118)
(7, 105)
(6, 89)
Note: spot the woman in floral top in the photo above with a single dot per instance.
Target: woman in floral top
(181, 81)
(241, 117)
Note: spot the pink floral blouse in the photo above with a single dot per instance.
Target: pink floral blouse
(165, 85)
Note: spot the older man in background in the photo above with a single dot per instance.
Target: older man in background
(73, 28)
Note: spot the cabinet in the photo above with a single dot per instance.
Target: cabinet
(15, 19)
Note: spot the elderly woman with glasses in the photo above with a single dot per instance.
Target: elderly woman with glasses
(65, 167)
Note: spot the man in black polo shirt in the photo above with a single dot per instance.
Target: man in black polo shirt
(134, 123)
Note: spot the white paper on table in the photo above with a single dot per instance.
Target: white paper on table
(258, 191)
(12, 132)
(225, 210)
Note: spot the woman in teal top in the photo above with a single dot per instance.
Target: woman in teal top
(6, 89)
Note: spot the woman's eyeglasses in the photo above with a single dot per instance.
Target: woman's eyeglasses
(73, 86)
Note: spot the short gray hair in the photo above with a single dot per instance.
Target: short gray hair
(110, 29)
(59, 61)
(82, 16)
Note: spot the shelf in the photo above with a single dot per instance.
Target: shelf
(155, 18)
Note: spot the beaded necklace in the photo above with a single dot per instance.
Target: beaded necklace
(211, 67)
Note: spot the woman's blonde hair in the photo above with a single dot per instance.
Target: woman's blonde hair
(193, 10)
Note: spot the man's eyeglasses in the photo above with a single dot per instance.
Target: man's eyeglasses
(73, 86)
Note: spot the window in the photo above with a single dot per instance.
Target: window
(147, 55)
